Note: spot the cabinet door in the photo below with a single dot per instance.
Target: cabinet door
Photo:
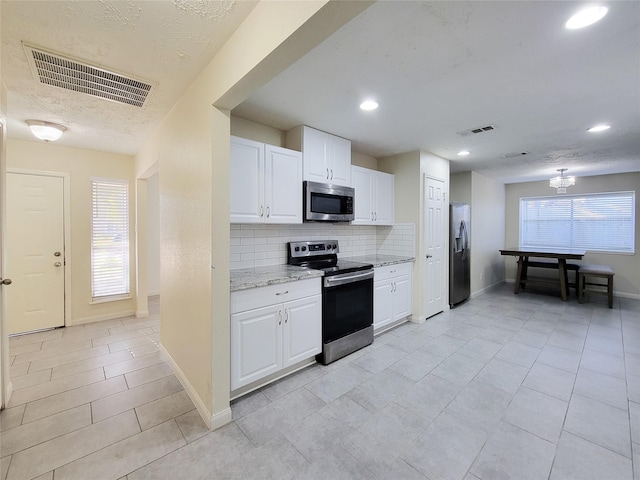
(362, 183)
(382, 304)
(283, 185)
(302, 334)
(384, 192)
(256, 344)
(339, 160)
(401, 297)
(314, 155)
(246, 177)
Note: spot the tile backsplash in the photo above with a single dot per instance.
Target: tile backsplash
(254, 245)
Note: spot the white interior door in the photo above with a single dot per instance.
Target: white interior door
(35, 252)
(434, 235)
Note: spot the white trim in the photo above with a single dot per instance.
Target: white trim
(110, 298)
(66, 206)
(212, 421)
(100, 318)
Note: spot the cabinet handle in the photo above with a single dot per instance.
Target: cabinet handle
(332, 174)
(372, 216)
(268, 211)
(286, 315)
(280, 317)
(261, 211)
(282, 293)
(327, 174)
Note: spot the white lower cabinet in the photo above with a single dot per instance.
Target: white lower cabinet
(266, 336)
(392, 294)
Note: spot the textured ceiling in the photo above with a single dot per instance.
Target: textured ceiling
(166, 42)
(438, 68)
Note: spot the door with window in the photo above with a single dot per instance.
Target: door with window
(35, 256)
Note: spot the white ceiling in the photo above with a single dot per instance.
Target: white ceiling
(168, 42)
(436, 68)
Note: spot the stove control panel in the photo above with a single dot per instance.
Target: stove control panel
(313, 248)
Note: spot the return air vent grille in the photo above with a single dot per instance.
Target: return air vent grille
(514, 154)
(473, 131)
(59, 71)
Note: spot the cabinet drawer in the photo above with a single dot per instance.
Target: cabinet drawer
(391, 271)
(258, 297)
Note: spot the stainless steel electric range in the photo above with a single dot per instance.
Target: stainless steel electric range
(347, 297)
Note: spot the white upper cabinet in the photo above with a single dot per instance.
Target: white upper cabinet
(326, 158)
(374, 196)
(265, 183)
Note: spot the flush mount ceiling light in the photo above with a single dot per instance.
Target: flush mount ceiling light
(368, 105)
(586, 17)
(598, 128)
(464, 153)
(560, 183)
(47, 131)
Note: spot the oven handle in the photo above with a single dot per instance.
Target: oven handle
(337, 280)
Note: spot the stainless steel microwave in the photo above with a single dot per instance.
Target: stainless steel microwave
(327, 203)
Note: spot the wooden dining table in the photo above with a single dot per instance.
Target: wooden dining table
(524, 255)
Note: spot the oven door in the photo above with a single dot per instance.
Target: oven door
(347, 304)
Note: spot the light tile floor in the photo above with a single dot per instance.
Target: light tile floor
(501, 387)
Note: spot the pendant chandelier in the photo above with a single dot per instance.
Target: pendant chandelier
(560, 183)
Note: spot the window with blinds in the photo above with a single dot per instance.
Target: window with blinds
(109, 239)
(603, 222)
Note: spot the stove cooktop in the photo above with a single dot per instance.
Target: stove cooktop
(322, 255)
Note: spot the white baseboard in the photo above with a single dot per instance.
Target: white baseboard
(485, 289)
(100, 318)
(214, 421)
(633, 296)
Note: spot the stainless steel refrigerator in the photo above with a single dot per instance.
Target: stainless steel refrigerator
(459, 253)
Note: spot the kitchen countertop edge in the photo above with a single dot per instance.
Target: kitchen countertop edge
(382, 260)
(246, 278)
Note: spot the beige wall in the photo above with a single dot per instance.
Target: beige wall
(487, 237)
(81, 165)
(191, 147)
(409, 170)
(241, 127)
(626, 267)
(461, 188)
(362, 160)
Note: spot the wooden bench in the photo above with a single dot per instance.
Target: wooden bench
(598, 271)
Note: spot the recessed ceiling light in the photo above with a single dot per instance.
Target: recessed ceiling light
(599, 128)
(586, 17)
(464, 153)
(369, 105)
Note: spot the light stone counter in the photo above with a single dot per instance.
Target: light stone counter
(382, 260)
(263, 276)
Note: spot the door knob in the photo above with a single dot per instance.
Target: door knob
(6, 281)
(56, 254)
(57, 264)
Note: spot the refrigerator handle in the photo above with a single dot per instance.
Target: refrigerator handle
(464, 238)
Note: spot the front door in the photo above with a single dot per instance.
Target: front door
(35, 252)
(434, 235)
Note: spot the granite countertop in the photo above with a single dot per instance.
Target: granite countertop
(382, 260)
(262, 276)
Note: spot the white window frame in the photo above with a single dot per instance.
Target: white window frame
(120, 228)
(573, 222)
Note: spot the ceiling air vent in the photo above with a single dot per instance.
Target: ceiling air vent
(514, 154)
(64, 72)
(473, 131)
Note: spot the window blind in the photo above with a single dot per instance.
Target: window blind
(109, 238)
(597, 222)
